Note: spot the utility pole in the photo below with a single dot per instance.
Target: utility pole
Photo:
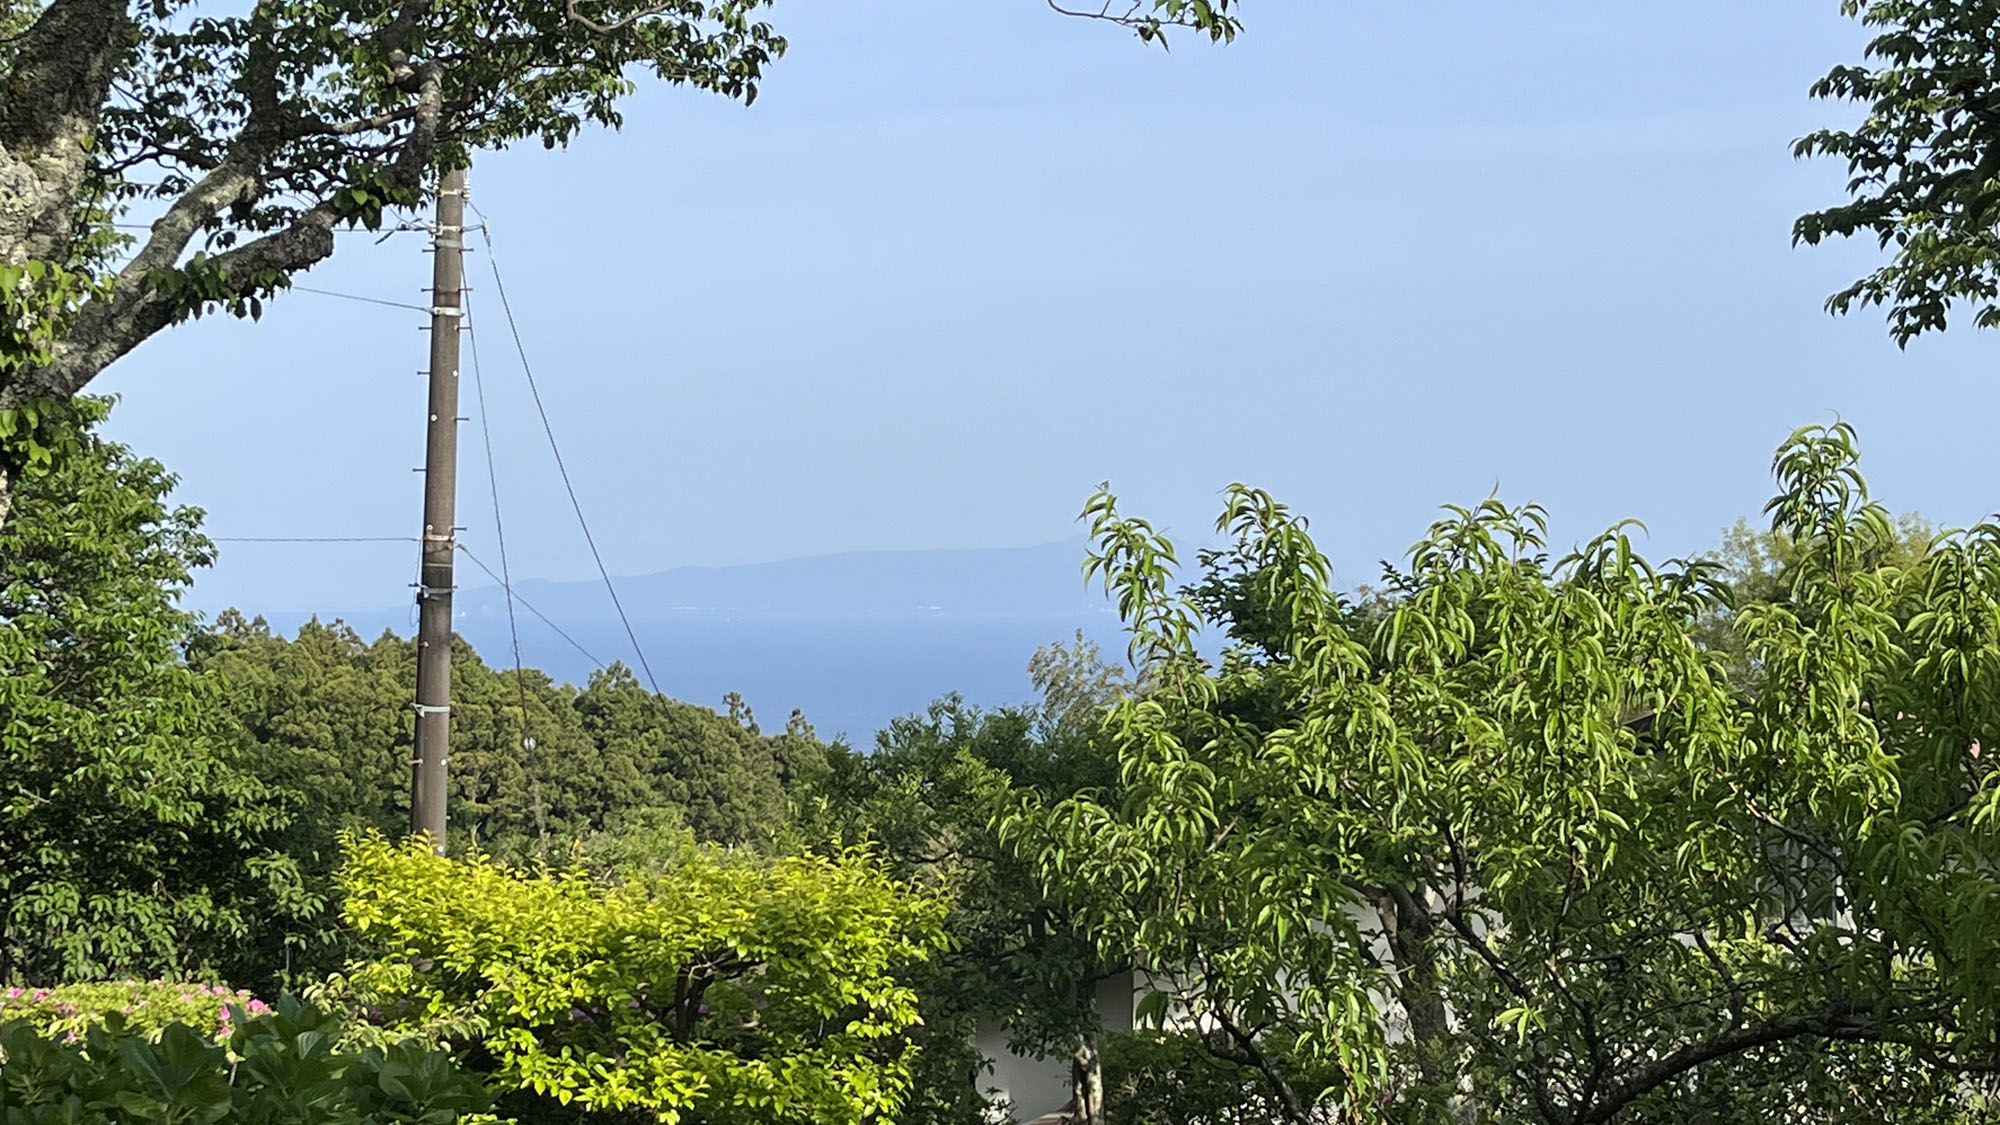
(434, 585)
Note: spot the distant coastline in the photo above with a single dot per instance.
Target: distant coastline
(853, 639)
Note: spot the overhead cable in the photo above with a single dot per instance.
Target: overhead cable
(528, 744)
(506, 307)
(530, 607)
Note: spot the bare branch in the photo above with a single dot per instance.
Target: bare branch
(580, 19)
(109, 327)
(1131, 17)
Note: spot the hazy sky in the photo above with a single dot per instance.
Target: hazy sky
(964, 260)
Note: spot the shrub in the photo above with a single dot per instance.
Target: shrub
(280, 1067)
(733, 988)
(148, 1007)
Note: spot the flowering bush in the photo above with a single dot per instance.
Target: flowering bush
(282, 1066)
(148, 1007)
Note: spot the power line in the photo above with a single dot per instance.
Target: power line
(503, 583)
(493, 490)
(530, 607)
(398, 229)
(506, 307)
(528, 744)
(312, 539)
(358, 297)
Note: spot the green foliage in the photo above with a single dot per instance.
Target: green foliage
(1215, 19)
(1923, 164)
(1155, 1078)
(314, 102)
(926, 798)
(145, 1008)
(33, 434)
(1755, 568)
(36, 299)
(331, 713)
(279, 1067)
(1519, 849)
(697, 983)
(133, 840)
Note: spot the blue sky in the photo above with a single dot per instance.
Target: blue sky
(964, 260)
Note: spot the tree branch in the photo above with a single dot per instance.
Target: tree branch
(106, 328)
(1830, 1024)
(582, 20)
(1129, 19)
(1247, 1053)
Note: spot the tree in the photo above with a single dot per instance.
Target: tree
(656, 752)
(536, 765)
(926, 797)
(1756, 568)
(1924, 164)
(693, 982)
(135, 837)
(1522, 852)
(249, 137)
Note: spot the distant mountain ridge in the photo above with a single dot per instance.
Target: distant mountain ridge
(986, 582)
(853, 639)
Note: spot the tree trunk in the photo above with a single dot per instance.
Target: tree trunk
(1086, 1079)
(1412, 932)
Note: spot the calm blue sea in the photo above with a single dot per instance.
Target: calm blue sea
(850, 674)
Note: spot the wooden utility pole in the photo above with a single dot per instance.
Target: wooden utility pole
(434, 585)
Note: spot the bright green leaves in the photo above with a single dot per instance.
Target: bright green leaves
(737, 989)
(34, 433)
(1511, 824)
(1923, 164)
(36, 299)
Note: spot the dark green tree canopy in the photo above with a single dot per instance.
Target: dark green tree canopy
(254, 134)
(1923, 163)
(135, 837)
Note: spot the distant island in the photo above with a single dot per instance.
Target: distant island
(853, 639)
